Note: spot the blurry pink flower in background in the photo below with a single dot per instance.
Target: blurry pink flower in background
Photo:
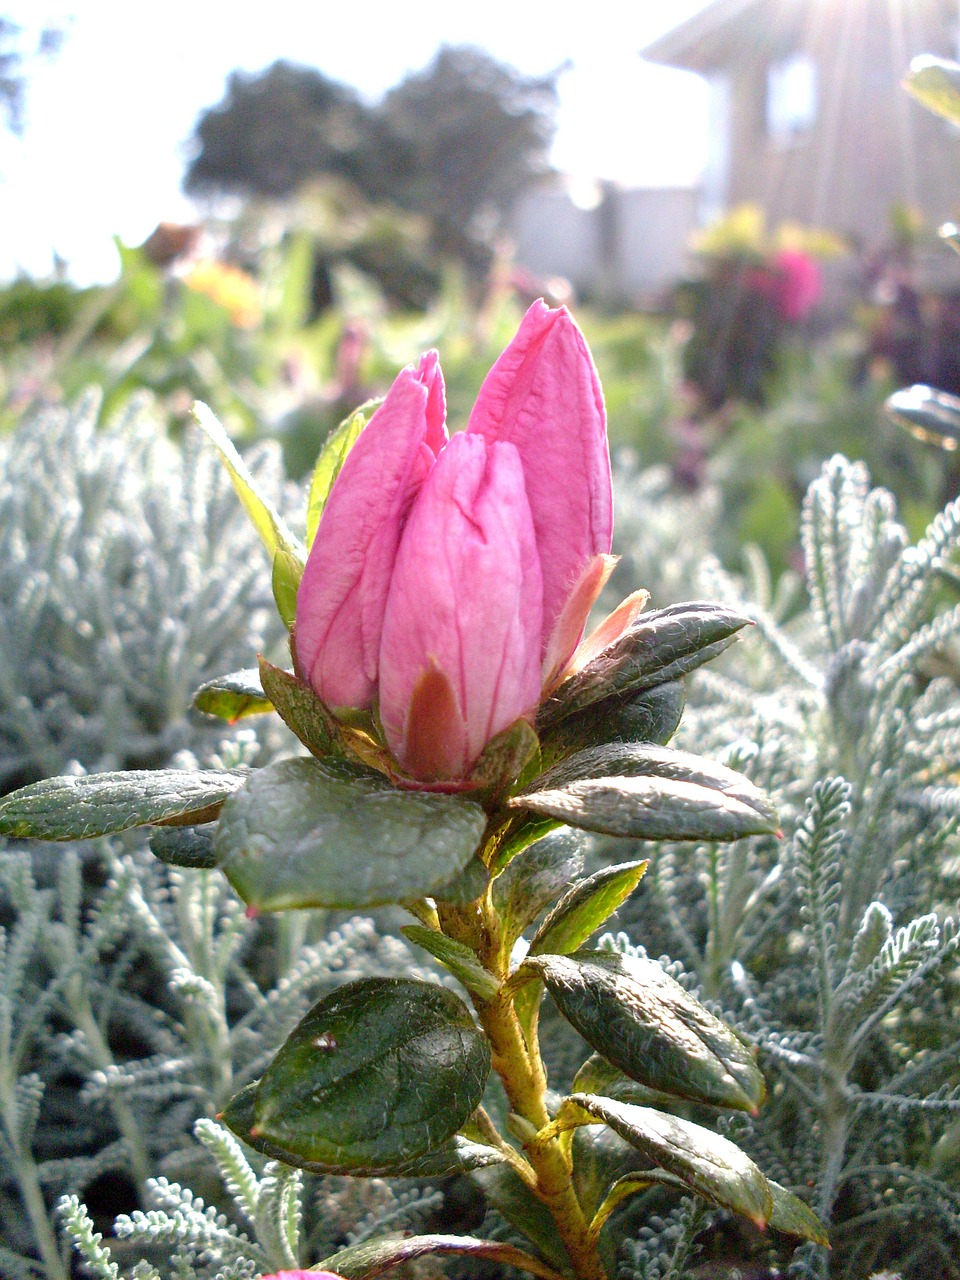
(799, 284)
(450, 579)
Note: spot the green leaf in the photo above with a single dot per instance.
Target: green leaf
(657, 648)
(458, 1155)
(600, 1157)
(267, 521)
(503, 760)
(597, 1075)
(641, 1020)
(233, 696)
(510, 1196)
(332, 457)
(514, 835)
(184, 847)
(456, 957)
(285, 580)
(649, 716)
(793, 1216)
(702, 1160)
(301, 711)
(585, 907)
(325, 833)
(100, 804)
(935, 83)
(378, 1073)
(364, 1261)
(535, 879)
(466, 886)
(928, 415)
(650, 793)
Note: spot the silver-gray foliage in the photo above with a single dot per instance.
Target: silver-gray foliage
(835, 948)
(128, 576)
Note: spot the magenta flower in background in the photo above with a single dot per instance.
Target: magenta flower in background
(450, 579)
(799, 284)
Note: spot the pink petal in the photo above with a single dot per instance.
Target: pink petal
(461, 634)
(603, 635)
(569, 626)
(543, 396)
(344, 588)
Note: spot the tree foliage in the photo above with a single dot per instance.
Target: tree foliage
(457, 142)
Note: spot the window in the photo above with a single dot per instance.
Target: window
(791, 98)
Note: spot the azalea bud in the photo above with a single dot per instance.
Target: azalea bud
(449, 581)
(460, 654)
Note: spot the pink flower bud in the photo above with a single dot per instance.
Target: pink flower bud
(343, 592)
(450, 581)
(460, 654)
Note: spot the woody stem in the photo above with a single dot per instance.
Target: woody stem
(520, 1068)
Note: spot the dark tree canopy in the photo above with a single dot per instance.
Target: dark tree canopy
(478, 134)
(457, 142)
(276, 129)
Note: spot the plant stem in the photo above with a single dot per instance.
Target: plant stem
(520, 1068)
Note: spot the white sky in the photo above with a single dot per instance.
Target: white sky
(108, 120)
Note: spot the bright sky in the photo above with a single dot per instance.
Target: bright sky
(109, 119)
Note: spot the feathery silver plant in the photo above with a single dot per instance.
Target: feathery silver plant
(128, 576)
(835, 949)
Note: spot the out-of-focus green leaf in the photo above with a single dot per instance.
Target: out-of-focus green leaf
(332, 457)
(233, 696)
(935, 83)
(267, 521)
(456, 957)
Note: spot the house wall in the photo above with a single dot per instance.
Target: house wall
(631, 246)
(871, 146)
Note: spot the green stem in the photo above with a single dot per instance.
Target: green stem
(520, 1068)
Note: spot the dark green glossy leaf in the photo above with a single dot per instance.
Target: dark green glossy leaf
(100, 804)
(264, 516)
(641, 1020)
(184, 847)
(233, 696)
(597, 1075)
(511, 1198)
(301, 711)
(458, 1155)
(285, 580)
(332, 457)
(325, 833)
(935, 83)
(649, 716)
(585, 907)
(456, 957)
(927, 414)
(705, 1162)
(649, 793)
(364, 1261)
(380, 1072)
(657, 648)
(535, 879)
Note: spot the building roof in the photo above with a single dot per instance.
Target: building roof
(719, 36)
